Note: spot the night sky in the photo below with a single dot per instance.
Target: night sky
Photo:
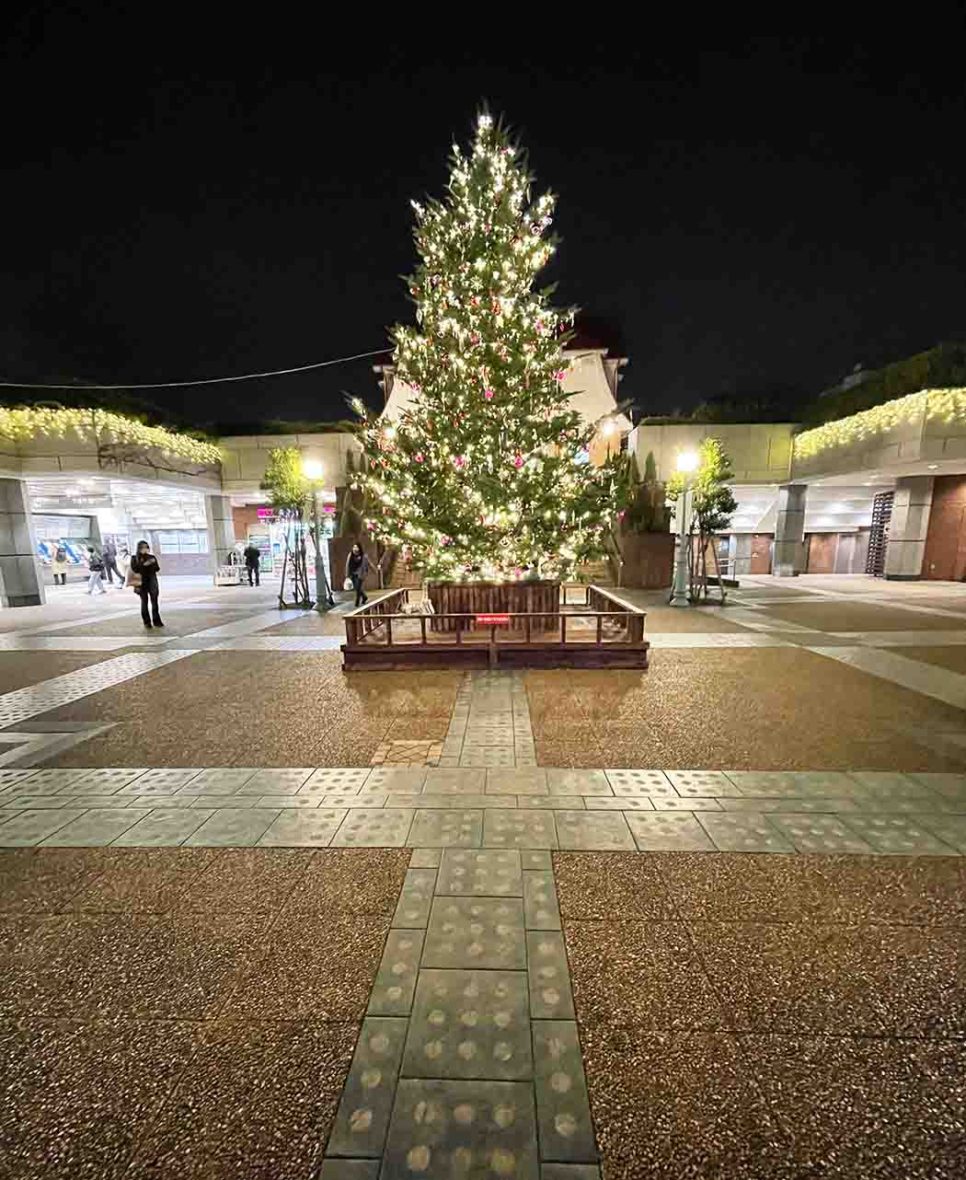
(187, 199)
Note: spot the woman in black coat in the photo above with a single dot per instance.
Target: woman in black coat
(356, 568)
(145, 565)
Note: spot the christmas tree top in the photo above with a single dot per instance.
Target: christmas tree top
(486, 473)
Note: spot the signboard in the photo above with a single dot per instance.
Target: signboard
(488, 620)
(266, 514)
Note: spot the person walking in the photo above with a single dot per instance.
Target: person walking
(109, 557)
(59, 566)
(145, 568)
(96, 566)
(124, 564)
(253, 563)
(356, 568)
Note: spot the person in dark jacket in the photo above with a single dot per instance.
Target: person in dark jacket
(253, 563)
(96, 567)
(145, 565)
(109, 557)
(356, 568)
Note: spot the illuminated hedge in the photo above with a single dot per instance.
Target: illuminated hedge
(949, 405)
(23, 424)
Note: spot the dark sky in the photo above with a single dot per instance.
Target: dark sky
(187, 199)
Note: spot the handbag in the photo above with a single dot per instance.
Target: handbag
(134, 579)
(347, 584)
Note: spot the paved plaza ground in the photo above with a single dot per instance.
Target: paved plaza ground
(263, 918)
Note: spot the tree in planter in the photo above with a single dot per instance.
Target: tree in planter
(486, 474)
(712, 505)
(289, 492)
(641, 503)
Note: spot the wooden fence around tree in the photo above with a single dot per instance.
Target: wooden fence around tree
(601, 632)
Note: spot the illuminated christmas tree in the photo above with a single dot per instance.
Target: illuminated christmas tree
(486, 474)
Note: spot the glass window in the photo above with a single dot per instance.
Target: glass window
(183, 541)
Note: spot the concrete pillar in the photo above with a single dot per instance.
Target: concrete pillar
(907, 528)
(789, 558)
(20, 580)
(221, 529)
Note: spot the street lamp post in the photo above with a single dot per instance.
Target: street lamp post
(687, 463)
(312, 470)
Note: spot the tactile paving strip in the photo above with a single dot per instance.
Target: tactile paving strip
(83, 682)
(483, 874)
(478, 932)
(469, 1024)
(520, 829)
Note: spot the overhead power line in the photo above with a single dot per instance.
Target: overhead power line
(203, 381)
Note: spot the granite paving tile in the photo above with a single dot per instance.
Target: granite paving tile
(98, 826)
(661, 831)
(162, 780)
(743, 831)
(569, 1172)
(383, 828)
(480, 873)
(330, 780)
(950, 829)
(890, 833)
(352, 881)
(818, 833)
(606, 885)
(713, 783)
(392, 992)
(394, 778)
(66, 1113)
(484, 932)
(347, 1169)
(27, 828)
(894, 889)
(455, 780)
(593, 830)
(538, 802)
(535, 859)
(609, 961)
(640, 782)
(444, 1128)
(233, 827)
(540, 901)
(362, 1119)
(311, 966)
(523, 828)
(950, 786)
(523, 781)
(578, 782)
(220, 780)
(415, 899)
(469, 1024)
(51, 780)
(160, 827)
(39, 803)
(563, 1110)
(275, 781)
(548, 979)
(792, 804)
(426, 858)
(103, 781)
(298, 827)
(447, 828)
(676, 1104)
(256, 1099)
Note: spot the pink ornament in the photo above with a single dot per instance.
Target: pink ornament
(518, 461)
(559, 375)
(418, 456)
(459, 461)
(488, 394)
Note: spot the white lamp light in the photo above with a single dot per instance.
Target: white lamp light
(687, 461)
(608, 427)
(312, 468)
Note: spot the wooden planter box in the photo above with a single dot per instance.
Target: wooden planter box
(487, 598)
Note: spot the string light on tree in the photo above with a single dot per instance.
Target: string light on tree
(484, 474)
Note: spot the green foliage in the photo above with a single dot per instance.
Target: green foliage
(712, 502)
(487, 472)
(284, 481)
(942, 367)
(642, 499)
